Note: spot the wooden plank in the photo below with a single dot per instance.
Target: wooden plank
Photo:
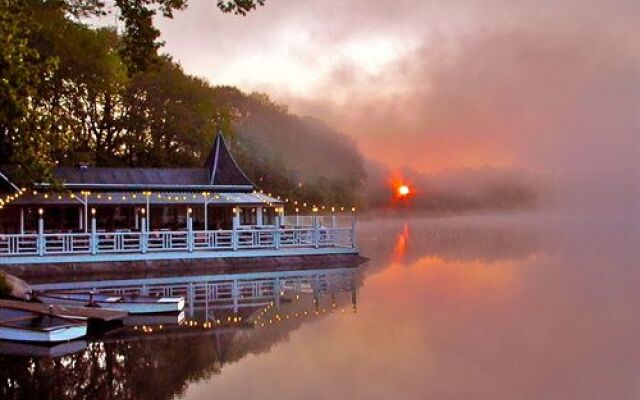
(100, 314)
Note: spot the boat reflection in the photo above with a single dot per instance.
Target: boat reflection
(41, 350)
(226, 318)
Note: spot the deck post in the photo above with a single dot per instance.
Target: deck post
(22, 220)
(147, 210)
(276, 232)
(234, 233)
(94, 236)
(189, 231)
(86, 212)
(41, 243)
(316, 232)
(143, 234)
(259, 220)
(353, 231)
(206, 212)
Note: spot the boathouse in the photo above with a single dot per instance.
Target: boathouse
(104, 214)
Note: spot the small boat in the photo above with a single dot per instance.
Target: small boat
(31, 326)
(131, 304)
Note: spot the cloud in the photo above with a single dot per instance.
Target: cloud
(547, 86)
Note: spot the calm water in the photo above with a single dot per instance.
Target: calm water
(456, 308)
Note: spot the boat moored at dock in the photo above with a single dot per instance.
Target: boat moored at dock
(31, 326)
(130, 304)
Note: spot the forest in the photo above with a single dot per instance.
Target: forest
(73, 93)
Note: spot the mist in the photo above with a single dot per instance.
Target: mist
(550, 88)
(455, 191)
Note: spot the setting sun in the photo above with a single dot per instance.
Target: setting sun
(403, 190)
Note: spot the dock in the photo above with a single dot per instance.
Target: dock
(90, 313)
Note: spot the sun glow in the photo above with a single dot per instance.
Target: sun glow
(403, 190)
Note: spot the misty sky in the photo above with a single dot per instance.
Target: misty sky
(547, 86)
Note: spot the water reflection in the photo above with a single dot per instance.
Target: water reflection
(226, 318)
(479, 308)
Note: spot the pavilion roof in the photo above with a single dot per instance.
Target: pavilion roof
(222, 167)
(221, 173)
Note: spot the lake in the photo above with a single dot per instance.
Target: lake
(514, 307)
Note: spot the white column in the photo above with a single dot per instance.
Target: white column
(94, 235)
(234, 232)
(22, 220)
(276, 232)
(237, 216)
(143, 234)
(206, 213)
(259, 215)
(189, 230)
(41, 243)
(86, 212)
(148, 211)
(316, 232)
(81, 220)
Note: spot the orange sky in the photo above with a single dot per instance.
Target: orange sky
(433, 85)
(437, 84)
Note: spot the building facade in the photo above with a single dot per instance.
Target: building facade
(102, 214)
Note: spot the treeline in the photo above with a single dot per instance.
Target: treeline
(71, 95)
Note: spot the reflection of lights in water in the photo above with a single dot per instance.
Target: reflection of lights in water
(402, 241)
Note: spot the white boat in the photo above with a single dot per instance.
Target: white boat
(31, 326)
(131, 304)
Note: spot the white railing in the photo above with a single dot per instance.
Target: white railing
(317, 235)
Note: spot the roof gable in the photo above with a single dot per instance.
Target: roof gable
(223, 168)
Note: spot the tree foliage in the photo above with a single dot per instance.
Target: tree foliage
(73, 94)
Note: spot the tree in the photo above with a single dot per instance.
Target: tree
(48, 112)
(23, 134)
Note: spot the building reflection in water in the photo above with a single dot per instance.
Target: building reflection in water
(156, 357)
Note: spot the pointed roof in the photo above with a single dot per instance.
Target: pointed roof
(221, 173)
(223, 168)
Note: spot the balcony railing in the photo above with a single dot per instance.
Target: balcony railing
(313, 236)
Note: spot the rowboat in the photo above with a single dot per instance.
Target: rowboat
(131, 304)
(31, 326)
